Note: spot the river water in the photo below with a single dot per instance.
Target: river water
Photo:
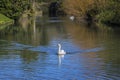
(29, 51)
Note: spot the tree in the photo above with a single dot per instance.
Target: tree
(107, 11)
(14, 8)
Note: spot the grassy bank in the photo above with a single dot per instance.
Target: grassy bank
(5, 20)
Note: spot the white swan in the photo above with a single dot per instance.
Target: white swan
(72, 18)
(60, 51)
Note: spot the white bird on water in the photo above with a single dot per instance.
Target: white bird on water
(60, 51)
(72, 18)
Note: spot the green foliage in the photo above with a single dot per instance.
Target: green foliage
(4, 19)
(107, 11)
(111, 13)
(13, 8)
(105, 16)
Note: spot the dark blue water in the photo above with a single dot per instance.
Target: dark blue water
(29, 51)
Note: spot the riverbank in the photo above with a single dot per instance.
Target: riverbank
(105, 12)
(5, 20)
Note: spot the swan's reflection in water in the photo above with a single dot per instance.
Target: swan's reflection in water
(60, 58)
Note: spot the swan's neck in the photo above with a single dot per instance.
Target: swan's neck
(59, 49)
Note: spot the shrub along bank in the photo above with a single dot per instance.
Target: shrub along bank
(103, 11)
(5, 20)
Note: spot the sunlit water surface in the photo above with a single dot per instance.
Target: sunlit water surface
(29, 51)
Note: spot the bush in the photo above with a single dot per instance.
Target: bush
(110, 14)
(107, 11)
(13, 8)
(105, 16)
(4, 19)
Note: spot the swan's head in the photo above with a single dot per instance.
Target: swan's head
(59, 45)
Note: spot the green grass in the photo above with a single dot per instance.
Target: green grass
(5, 20)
